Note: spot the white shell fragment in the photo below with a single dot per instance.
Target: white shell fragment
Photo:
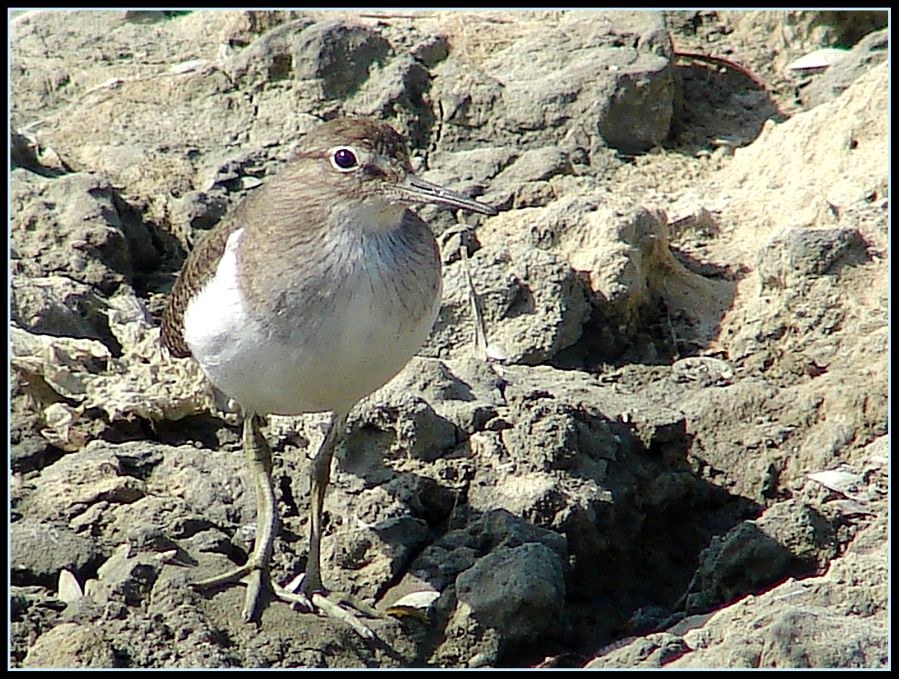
(414, 604)
(855, 493)
(818, 60)
(423, 599)
(68, 589)
(840, 481)
(188, 66)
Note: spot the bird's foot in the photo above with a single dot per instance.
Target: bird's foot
(338, 605)
(254, 576)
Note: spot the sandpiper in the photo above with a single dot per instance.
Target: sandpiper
(311, 294)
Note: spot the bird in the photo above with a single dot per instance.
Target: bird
(312, 293)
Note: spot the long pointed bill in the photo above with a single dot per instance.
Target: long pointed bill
(421, 191)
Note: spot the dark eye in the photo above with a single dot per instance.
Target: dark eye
(344, 158)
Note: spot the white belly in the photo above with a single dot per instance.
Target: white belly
(353, 352)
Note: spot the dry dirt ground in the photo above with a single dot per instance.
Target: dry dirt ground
(678, 453)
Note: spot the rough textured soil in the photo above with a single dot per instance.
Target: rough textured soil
(677, 453)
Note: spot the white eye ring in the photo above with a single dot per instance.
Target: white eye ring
(344, 158)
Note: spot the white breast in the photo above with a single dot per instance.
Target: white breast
(350, 354)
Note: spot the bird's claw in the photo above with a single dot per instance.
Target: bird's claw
(338, 605)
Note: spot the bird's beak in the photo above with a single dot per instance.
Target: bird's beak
(420, 191)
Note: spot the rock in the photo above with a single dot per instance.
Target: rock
(703, 371)
(380, 554)
(622, 253)
(653, 650)
(821, 157)
(804, 638)
(398, 89)
(269, 57)
(799, 253)
(70, 486)
(337, 54)
(517, 591)
(24, 153)
(539, 93)
(790, 34)
(791, 625)
(58, 305)
(854, 634)
(406, 426)
(199, 482)
(432, 50)
(200, 210)
(533, 304)
(71, 645)
(32, 560)
(124, 577)
(868, 52)
(525, 182)
(99, 243)
(787, 540)
(662, 404)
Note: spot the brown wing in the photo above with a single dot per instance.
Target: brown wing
(201, 264)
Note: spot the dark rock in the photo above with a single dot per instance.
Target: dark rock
(809, 252)
(788, 540)
(518, 591)
(40, 550)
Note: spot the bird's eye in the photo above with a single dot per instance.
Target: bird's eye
(344, 159)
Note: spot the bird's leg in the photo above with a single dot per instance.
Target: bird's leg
(313, 593)
(256, 569)
(320, 474)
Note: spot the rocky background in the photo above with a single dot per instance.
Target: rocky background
(677, 454)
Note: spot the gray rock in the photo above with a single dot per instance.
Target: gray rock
(451, 398)
(200, 210)
(59, 305)
(126, 577)
(799, 253)
(787, 540)
(432, 50)
(518, 591)
(71, 645)
(532, 91)
(407, 426)
(214, 487)
(24, 153)
(398, 90)
(98, 241)
(807, 637)
(40, 550)
(533, 304)
(268, 58)
(525, 183)
(380, 554)
(616, 465)
(536, 165)
(651, 651)
(338, 55)
(95, 476)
